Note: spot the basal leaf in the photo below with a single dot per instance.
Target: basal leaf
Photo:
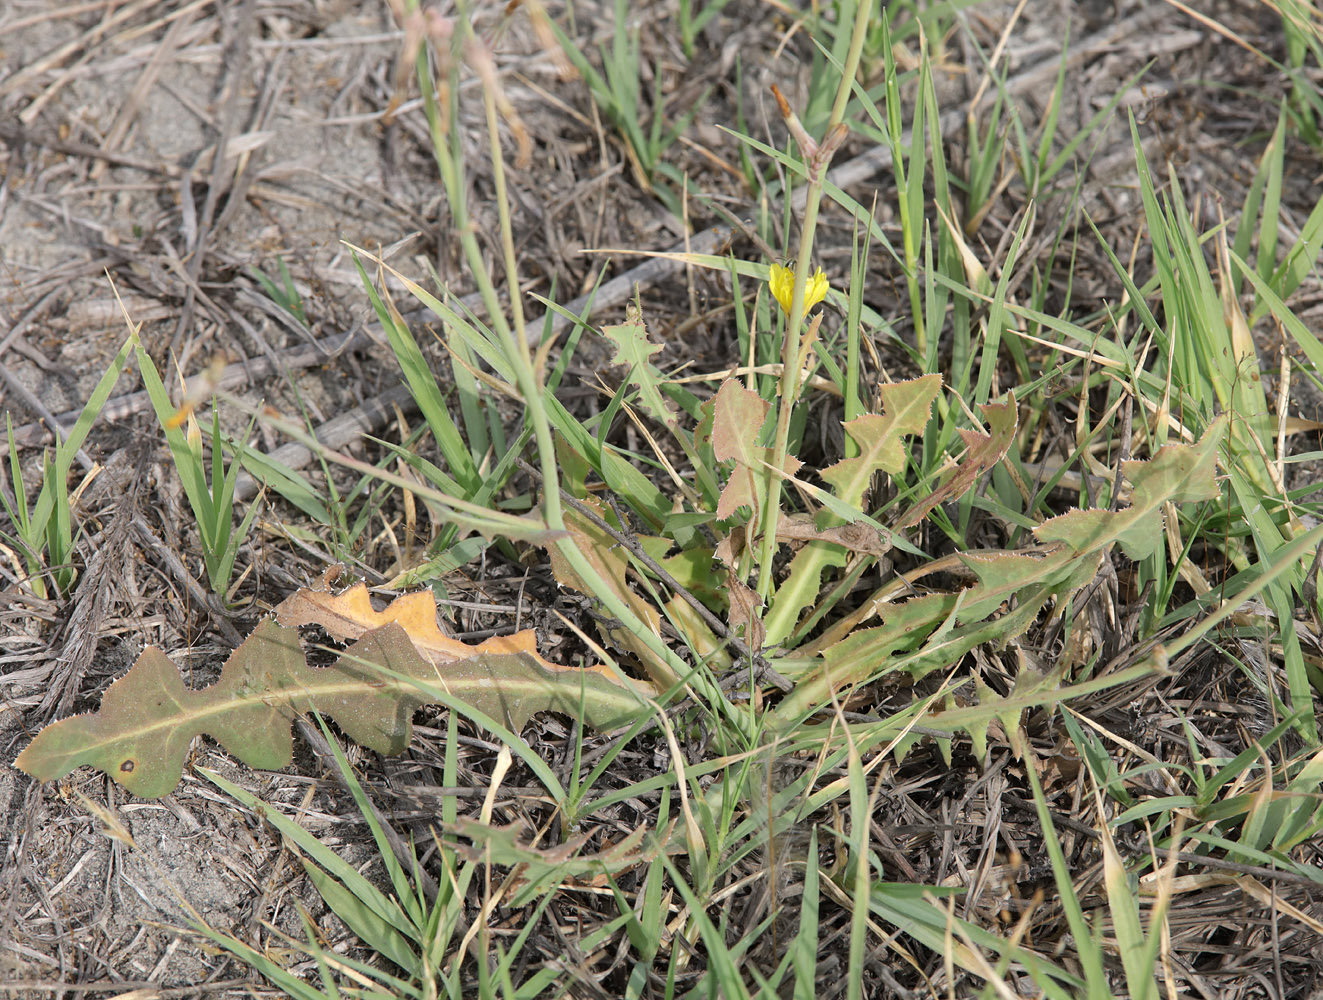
(737, 417)
(803, 580)
(349, 615)
(136, 737)
(934, 631)
(905, 410)
(866, 654)
(1178, 472)
(149, 716)
(744, 607)
(612, 565)
(839, 531)
(1002, 575)
(858, 537)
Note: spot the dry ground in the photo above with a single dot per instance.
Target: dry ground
(111, 115)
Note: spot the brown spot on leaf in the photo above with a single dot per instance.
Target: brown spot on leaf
(128, 765)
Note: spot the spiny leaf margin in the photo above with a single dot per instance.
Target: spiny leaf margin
(149, 717)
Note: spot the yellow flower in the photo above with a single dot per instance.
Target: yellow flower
(782, 284)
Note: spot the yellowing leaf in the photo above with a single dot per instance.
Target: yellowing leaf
(149, 716)
(349, 615)
(612, 565)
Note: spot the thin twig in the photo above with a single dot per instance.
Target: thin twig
(233, 376)
(363, 419)
(401, 850)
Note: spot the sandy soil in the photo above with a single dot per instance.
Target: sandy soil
(111, 117)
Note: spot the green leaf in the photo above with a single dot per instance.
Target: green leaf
(906, 408)
(1177, 473)
(148, 717)
(633, 348)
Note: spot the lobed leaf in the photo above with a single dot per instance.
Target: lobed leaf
(933, 631)
(738, 416)
(905, 410)
(1179, 473)
(983, 451)
(633, 348)
(149, 716)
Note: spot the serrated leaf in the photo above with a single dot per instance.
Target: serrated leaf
(633, 348)
(858, 537)
(1002, 575)
(744, 607)
(1031, 578)
(1031, 690)
(349, 615)
(934, 631)
(982, 452)
(906, 407)
(799, 589)
(865, 654)
(737, 418)
(149, 716)
(1178, 472)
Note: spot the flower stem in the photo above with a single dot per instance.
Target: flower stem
(817, 157)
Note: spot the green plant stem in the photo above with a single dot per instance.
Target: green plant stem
(516, 346)
(817, 170)
(789, 387)
(516, 340)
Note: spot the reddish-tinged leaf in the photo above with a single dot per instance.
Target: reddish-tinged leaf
(744, 608)
(737, 418)
(983, 451)
(858, 537)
